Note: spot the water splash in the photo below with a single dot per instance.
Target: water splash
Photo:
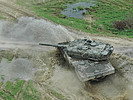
(34, 30)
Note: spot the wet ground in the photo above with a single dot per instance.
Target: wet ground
(78, 10)
(22, 57)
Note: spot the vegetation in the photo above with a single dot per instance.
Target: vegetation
(105, 14)
(18, 89)
(29, 93)
(109, 12)
(2, 17)
(80, 8)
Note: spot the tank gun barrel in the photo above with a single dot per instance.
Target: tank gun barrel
(53, 45)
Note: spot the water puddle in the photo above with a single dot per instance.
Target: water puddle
(77, 10)
(16, 69)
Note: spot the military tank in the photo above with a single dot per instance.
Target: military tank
(89, 58)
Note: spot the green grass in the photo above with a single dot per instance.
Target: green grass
(6, 96)
(30, 93)
(14, 88)
(11, 90)
(2, 17)
(104, 13)
(109, 11)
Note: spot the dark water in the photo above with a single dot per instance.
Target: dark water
(77, 10)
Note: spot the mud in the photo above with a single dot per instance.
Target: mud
(19, 41)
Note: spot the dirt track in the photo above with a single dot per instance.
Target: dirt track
(12, 11)
(115, 87)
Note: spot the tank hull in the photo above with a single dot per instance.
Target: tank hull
(88, 70)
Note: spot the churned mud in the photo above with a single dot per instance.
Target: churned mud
(21, 57)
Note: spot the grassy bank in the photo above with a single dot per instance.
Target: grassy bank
(103, 15)
(25, 90)
(17, 90)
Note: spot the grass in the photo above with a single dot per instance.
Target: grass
(109, 11)
(11, 90)
(2, 17)
(104, 13)
(30, 93)
(14, 88)
(51, 10)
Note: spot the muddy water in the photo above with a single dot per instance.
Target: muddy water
(77, 10)
(18, 68)
(41, 63)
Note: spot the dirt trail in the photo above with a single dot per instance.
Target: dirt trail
(23, 36)
(11, 11)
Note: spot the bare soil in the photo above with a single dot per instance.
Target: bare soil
(50, 73)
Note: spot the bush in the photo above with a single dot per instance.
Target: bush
(129, 22)
(124, 24)
(120, 25)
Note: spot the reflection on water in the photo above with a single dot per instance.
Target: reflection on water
(77, 10)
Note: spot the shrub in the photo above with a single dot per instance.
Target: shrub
(124, 24)
(129, 22)
(120, 25)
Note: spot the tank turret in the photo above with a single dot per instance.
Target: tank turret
(86, 49)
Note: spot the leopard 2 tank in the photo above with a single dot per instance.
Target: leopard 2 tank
(89, 58)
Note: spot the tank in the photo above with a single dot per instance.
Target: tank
(89, 58)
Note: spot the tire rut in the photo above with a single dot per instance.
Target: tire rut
(13, 11)
(9, 15)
